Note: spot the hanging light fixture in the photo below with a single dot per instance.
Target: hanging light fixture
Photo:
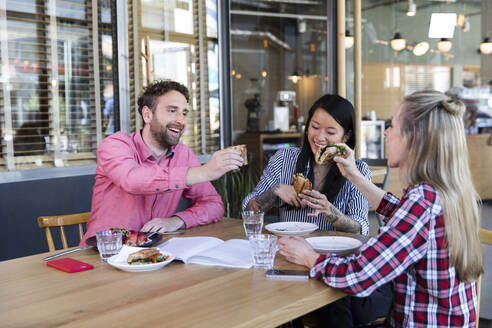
(486, 46)
(412, 8)
(295, 77)
(398, 43)
(421, 48)
(349, 39)
(444, 45)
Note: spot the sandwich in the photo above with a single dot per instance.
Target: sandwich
(244, 152)
(146, 256)
(300, 183)
(325, 154)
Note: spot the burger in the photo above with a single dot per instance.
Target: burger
(243, 150)
(300, 183)
(326, 154)
(146, 256)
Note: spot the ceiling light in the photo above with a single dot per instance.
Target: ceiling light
(442, 25)
(486, 46)
(349, 40)
(444, 45)
(461, 20)
(295, 77)
(412, 8)
(398, 43)
(421, 48)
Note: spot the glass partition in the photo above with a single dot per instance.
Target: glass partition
(444, 60)
(279, 63)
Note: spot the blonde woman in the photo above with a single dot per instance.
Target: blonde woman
(429, 247)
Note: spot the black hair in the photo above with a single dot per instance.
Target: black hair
(343, 112)
(157, 89)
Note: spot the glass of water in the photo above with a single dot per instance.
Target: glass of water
(263, 250)
(109, 243)
(252, 222)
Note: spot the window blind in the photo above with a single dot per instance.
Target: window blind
(52, 93)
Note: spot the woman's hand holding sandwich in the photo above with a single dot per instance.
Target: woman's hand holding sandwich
(288, 195)
(318, 202)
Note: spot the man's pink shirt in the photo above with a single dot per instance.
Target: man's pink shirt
(132, 187)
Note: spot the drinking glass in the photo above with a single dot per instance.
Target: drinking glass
(263, 250)
(109, 243)
(252, 222)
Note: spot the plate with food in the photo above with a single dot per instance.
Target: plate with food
(132, 238)
(334, 244)
(135, 259)
(291, 228)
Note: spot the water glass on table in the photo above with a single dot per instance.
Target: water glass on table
(252, 222)
(109, 243)
(263, 248)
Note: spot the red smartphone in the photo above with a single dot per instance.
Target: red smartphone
(69, 265)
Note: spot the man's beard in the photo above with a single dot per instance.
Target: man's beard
(162, 135)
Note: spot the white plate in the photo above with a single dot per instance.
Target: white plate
(291, 228)
(119, 261)
(334, 244)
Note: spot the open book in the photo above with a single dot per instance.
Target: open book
(234, 253)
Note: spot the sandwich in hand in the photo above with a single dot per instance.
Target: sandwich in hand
(244, 152)
(147, 256)
(300, 183)
(326, 154)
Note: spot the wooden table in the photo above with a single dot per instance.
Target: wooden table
(179, 295)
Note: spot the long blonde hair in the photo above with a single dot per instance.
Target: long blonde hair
(436, 152)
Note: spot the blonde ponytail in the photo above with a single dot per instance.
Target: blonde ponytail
(437, 153)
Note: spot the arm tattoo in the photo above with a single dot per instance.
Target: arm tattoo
(342, 223)
(263, 202)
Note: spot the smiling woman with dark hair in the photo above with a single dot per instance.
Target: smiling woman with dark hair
(336, 203)
(342, 207)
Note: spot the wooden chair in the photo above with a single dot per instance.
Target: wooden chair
(485, 238)
(47, 222)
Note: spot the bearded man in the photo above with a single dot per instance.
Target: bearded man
(141, 177)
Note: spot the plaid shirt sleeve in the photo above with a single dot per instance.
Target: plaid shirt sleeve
(387, 205)
(400, 243)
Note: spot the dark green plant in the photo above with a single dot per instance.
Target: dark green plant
(233, 187)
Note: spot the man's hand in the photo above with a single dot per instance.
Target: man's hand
(163, 224)
(288, 195)
(221, 162)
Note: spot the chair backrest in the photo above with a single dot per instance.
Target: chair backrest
(47, 222)
(383, 162)
(485, 238)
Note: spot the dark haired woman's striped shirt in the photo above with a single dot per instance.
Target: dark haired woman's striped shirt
(280, 169)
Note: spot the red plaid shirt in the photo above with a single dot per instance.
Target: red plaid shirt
(410, 250)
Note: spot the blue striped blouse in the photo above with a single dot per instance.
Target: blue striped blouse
(280, 169)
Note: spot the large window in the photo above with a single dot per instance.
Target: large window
(179, 42)
(56, 80)
(422, 62)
